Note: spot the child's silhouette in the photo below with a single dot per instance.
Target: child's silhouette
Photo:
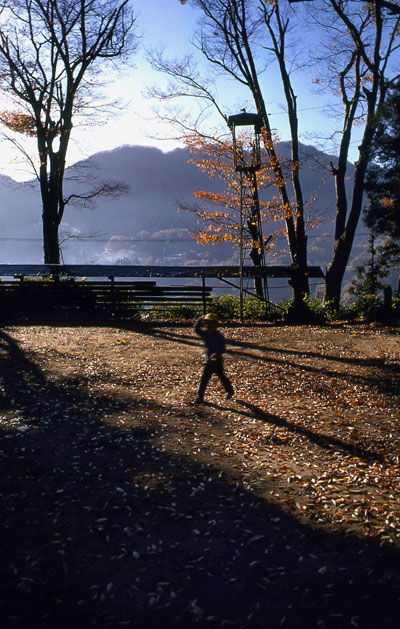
(214, 341)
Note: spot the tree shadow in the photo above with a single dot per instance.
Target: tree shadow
(103, 526)
(385, 381)
(327, 442)
(368, 362)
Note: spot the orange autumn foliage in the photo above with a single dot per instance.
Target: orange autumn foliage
(219, 212)
(19, 122)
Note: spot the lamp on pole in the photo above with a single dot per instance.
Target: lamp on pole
(245, 162)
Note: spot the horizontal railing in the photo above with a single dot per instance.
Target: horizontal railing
(106, 270)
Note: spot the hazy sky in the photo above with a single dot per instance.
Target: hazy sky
(169, 24)
(159, 23)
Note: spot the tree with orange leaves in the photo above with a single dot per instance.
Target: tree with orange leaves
(219, 212)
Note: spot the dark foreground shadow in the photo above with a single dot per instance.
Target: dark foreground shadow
(101, 527)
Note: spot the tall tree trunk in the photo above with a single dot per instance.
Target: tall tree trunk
(296, 239)
(49, 185)
(344, 242)
(49, 199)
(256, 259)
(253, 224)
(375, 95)
(51, 244)
(345, 230)
(51, 177)
(295, 232)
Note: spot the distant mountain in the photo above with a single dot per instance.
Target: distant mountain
(143, 225)
(20, 222)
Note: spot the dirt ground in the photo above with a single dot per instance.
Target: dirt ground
(123, 504)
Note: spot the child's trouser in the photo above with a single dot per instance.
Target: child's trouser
(217, 367)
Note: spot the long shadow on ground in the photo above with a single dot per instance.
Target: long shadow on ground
(386, 380)
(102, 527)
(324, 441)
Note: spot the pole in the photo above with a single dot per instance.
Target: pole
(241, 247)
(203, 283)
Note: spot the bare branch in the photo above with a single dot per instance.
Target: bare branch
(50, 54)
(114, 189)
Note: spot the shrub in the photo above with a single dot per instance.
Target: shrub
(318, 309)
(226, 307)
(280, 310)
(367, 306)
(324, 311)
(396, 306)
(177, 311)
(254, 308)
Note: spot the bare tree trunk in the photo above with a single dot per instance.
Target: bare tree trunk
(50, 178)
(296, 236)
(375, 62)
(253, 224)
(344, 240)
(53, 210)
(296, 239)
(50, 237)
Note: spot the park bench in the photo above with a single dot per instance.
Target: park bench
(127, 297)
(24, 295)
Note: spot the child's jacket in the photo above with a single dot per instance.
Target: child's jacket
(214, 341)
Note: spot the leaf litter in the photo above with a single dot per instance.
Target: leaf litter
(135, 498)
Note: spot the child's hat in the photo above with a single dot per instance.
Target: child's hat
(211, 316)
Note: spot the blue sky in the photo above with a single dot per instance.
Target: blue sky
(169, 24)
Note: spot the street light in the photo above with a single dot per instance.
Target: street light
(243, 162)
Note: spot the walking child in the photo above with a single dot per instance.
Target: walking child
(207, 328)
